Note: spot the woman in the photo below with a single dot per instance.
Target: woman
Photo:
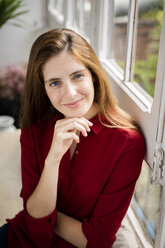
(81, 154)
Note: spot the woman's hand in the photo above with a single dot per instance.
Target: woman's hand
(65, 132)
(42, 201)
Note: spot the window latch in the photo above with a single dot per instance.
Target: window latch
(159, 166)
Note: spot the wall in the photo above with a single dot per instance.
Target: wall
(15, 42)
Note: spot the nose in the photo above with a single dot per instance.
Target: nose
(70, 90)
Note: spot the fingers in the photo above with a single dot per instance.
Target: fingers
(72, 136)
(65, 132)
(71, 124)
(79, 120)
(75, 126)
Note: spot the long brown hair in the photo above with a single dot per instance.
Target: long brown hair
(36, 105)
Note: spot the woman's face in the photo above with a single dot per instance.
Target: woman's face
(69, 86)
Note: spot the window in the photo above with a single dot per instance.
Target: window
(81, 13)
(116, 32)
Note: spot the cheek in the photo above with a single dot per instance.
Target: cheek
(91, 90)
(88, 88)
(53, 97)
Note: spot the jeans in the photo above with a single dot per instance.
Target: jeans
(4, 236)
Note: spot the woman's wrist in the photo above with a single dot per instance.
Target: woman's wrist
(52, 160)
(43, 200)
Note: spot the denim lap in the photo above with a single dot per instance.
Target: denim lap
(4, 236)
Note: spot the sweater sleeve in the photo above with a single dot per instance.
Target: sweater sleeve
(101, 228)
(39, 230)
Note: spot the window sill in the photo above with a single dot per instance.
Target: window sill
(138, 230)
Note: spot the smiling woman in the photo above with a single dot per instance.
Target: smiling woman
(69, 86)
(81, 153)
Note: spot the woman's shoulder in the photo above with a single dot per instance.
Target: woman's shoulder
(132, 140)
(102, 124)
(124, 137)
(130, 134)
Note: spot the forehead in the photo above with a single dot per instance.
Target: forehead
(62, 64)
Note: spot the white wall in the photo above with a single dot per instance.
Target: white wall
(16, 42)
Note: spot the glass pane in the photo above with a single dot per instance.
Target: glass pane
(120, 20)
(146, 202)
(148, 37)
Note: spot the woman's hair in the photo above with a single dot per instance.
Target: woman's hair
(36, 104)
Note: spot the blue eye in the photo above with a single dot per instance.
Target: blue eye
(78, 76)
(54, 84)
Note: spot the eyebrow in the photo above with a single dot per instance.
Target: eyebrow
(56, 79)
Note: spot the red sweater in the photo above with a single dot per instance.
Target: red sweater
(94, 187)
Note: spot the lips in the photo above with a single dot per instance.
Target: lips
(73, 104)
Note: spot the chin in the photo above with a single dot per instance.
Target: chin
(76, 114)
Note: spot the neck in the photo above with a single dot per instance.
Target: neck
(92, 112)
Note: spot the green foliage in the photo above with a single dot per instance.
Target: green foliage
(150, 10)
(145, 70)
(8, 11)
(155, 15)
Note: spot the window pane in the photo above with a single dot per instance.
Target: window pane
(148, 37)
(146, 202)
(120, 20)
(81, 16)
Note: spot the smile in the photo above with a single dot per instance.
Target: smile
(73, 104)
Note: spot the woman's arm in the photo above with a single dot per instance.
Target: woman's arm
(70, 229)
(42, 201)
(101, 227)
